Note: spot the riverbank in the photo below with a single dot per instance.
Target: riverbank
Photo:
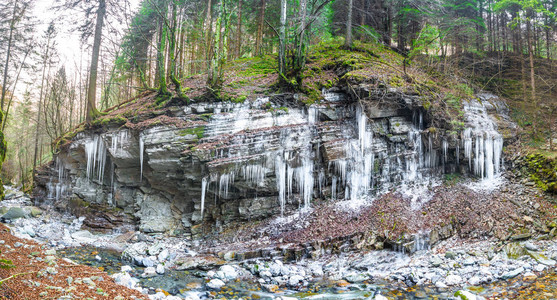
(171, 267)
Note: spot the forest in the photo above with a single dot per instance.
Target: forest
(128, 48)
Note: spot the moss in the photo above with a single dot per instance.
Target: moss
(542, 170)
(240, 99)
(198, 131)
(117, 120)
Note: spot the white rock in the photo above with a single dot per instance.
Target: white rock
(215, 284)
(539, 268)
(160, 269)
(163, 255)
(98, 258)
(475, 280)
(211, 274)
(462, 294)
(228, 273)
(453, 280)
(190, 296)
(125, 279)
(126, 268)
(265, 274)
(380, 297)
(83, 236)
(440, 284)
(149, 272)
(294, 280)
(147, 262)
(275, 269)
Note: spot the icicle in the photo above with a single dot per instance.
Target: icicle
(280, 173)
(141, 146)
(313, 115)
(203, 191)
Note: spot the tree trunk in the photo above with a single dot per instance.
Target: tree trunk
(348, 40)
(161, 58)
(45, 62)
(239, 31)
(282, 43)
(92, 90)
(10, 39)
(172, 47)
(260, 21)
(208, 31)
(532, 72)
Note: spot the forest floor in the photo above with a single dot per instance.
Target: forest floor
(40, 274)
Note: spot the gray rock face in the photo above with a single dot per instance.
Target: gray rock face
(248, 162)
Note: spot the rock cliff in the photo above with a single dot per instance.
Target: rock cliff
(218, 163)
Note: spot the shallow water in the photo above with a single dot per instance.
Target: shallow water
(178, 282)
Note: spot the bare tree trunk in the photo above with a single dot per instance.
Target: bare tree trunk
(348, 40)
(92, 90)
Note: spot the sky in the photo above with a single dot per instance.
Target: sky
(68, 38)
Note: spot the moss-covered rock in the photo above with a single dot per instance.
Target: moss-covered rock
(542, 170)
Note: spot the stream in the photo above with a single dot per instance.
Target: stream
(183, 283)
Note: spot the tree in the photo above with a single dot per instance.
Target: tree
(92, 111)
(48, 48)
(348, 39)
